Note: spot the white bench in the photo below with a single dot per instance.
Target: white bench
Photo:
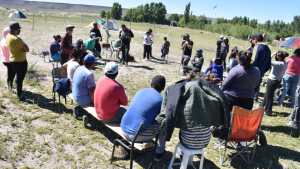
(116, 129)
(124, 142)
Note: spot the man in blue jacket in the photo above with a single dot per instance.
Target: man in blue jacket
(262, 57)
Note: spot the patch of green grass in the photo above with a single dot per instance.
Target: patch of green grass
(43, 130)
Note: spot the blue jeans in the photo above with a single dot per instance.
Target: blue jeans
(289, 87)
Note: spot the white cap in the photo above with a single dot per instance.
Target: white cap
(111, 68)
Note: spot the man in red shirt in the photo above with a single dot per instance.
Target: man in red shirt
(109, 96)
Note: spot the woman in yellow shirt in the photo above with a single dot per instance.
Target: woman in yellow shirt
(18, 49)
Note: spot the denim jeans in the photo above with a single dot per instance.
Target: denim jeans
(295, 115)
(290, 83)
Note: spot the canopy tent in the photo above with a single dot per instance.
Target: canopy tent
(17, 15)
(291, 42)
(106, 24)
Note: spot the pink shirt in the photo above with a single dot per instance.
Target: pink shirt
(4, 51)
(108, 97)
(293, 66)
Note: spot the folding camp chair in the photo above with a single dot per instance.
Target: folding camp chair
(106, 50)
(116, 48)
(57, 74)
(243, 133)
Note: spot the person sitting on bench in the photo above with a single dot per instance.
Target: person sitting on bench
(109, 96)
(83, 84)
(144, 107)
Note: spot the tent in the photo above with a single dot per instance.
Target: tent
(17, 15)
(106, 24)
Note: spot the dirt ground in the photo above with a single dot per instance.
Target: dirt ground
(34, 134)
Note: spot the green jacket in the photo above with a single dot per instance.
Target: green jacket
(200, 103)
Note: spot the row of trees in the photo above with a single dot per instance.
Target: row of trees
(115, 12)
(152, 13)
(239, 27)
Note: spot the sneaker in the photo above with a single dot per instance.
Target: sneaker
(291, 124)
(77, 113)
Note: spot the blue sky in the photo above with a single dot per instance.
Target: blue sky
(260, 9)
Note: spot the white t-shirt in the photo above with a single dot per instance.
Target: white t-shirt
(148, 39)
(71, 67)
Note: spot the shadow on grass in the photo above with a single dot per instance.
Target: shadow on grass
(157, 60)
(141, 67)
(145, 158)
(268, 157)
(164, 163)
(45, 103)
(277, 129)
(281, 114)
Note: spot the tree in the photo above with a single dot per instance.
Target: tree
(187, 13)
(129, 15)
(103, 14)
(174, 17)
(253, 23)
(296, 24)
(153, 13)
(116, 11)
(108, 15)
(160, 12)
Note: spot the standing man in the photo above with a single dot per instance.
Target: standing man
(148, 44)
(18, 49)
(125, 36)
(67, 45)
(262, 58)
(224, 51)
(97, 34)
(187, 48)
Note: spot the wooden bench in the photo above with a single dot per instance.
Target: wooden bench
(122, 141)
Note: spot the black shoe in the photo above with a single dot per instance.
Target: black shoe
(86, 122)
(262, 138)
(77, 113)
(21, 98)
(269, 114)
(159, 156)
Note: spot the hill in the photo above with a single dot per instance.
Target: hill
(34, 6)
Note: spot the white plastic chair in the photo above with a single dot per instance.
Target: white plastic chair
(187, 156)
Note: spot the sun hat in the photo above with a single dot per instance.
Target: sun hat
(14, 26)
(70, 27)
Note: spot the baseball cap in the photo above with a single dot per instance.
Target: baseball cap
(89, 59)
(111, 68)
(14, 26)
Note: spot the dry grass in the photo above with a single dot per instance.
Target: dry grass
(33, 135)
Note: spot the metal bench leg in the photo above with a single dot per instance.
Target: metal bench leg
(131, 156)
(113, 153)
